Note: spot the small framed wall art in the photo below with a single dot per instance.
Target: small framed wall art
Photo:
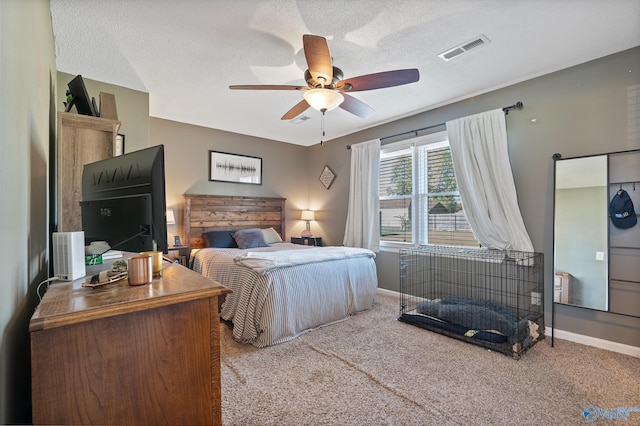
(327, 176)
(225, 167)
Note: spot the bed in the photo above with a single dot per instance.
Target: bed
(281, 290)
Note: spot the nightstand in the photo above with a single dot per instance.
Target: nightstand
(183, 254)
(307, 241)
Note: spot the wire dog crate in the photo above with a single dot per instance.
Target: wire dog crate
(491, 298)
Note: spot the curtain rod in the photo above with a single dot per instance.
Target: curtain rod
(518, 105)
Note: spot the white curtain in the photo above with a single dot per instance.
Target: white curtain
(363, 228)
(485, 181)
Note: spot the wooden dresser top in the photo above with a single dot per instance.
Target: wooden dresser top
(69, 303)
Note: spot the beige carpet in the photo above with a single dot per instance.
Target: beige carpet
(375, 370)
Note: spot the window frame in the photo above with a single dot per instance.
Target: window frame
(435, 140)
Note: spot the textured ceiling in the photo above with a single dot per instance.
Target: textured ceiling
(186, 53)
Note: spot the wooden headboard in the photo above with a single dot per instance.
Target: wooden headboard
(204, 213)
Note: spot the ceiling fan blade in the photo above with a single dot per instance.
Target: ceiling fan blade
(265, 87)
(356, 106)
(379, 80)
(298, 109)
(316, 52)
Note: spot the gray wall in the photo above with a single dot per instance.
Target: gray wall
(132, 107)
(582, 110)
(187, 149)
(27, 126)
(579, 111)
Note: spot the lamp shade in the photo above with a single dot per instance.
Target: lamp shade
(323, 99)
(171, 219)
(307, 215)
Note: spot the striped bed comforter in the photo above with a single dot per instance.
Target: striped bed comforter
(274, 300)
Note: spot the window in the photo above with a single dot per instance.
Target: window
(417, 180)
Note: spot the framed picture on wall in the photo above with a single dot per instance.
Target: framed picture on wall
(225, 167)
(327, 176)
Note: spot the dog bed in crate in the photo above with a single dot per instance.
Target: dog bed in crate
(479, 321)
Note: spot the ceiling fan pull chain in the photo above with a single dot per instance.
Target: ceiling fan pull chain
(323, 110)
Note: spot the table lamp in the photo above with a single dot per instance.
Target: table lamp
(307, 215)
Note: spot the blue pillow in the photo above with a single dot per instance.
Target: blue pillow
(219, 239)
(250, 238)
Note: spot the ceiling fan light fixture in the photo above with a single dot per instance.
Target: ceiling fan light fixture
(323, 99)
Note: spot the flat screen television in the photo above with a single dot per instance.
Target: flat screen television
(124, 201)
(80, 97)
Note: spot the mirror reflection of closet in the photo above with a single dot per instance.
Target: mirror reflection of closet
(596, 264)
(580, 233)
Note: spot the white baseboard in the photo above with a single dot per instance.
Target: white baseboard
(572, 337)
(388, 292)
(594, 341)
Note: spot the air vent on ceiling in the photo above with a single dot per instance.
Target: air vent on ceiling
(300, 119)
(454, 52)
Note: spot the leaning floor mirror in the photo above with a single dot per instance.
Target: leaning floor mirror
(580, 231)
(596, 259)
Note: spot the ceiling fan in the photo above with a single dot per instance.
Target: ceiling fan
(326, 89)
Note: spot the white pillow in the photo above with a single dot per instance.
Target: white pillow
(271, 236)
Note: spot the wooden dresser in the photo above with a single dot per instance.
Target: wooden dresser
(120, 354)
